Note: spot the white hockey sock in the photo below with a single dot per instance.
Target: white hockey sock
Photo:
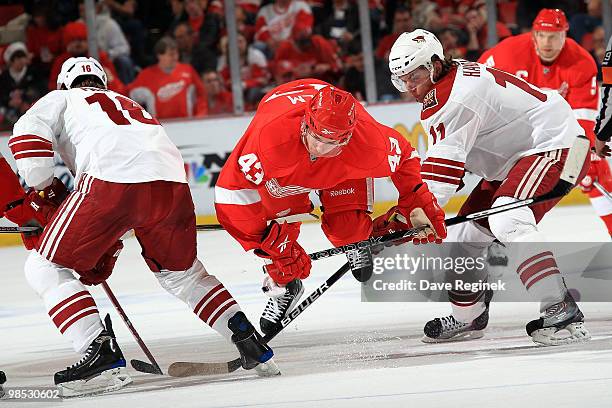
(204, 294)
(69, 304)
(538, 270)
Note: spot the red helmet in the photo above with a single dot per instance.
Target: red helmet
(550, 20)
(331, 113)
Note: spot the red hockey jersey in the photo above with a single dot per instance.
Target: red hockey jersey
(271, 156)
(573, 73)
(178, 94)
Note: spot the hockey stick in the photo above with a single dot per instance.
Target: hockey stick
(153, 367)
(569, 176)
(17, 230)
(602, 190)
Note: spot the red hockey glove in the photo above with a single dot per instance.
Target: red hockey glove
(104, 268)
(422, 209)
(598, 170)
(289, 260)
(36, 210)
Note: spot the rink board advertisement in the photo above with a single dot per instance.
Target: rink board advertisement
(207, 143)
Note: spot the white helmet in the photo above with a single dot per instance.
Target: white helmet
(410, 51)
(79, 66)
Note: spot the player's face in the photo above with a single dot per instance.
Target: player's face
(418, 83)
(319, 146)
(549, 44)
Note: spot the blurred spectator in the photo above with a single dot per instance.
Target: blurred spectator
(43, 38)
(201, 58)
(312, 55)
(75, 42)
(583, 23)
(276, 21)
(599, 48)
(220, 100)
(253, 70)
(478, 31)
(451, 40)
(402, 22)
(245, 25)
(425, 14)
(353, 80)
(284, 72)
(110, 38)
(340, 24)
(20, 86)
(169, 89)
(124, 13)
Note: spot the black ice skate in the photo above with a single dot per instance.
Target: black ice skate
(2, 381)
(362, 265)
(447, 329)
(562, 323)
(278, 307)
(254, 353)
(496, 256)
(102, 368)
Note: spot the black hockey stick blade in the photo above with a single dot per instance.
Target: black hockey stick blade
(189, 369)
(145, 367)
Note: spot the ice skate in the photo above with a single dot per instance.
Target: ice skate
(279, 306)
(2, 381)
(361, 264)
(447, 329)
(562, 323)
(496, 256)
(102, 368)
(254, 353)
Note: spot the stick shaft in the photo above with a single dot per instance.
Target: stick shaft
(129, 325)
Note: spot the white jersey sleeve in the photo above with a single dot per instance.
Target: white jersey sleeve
(451, 134)
(34, 136)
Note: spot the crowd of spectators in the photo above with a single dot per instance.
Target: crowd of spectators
(172, 55)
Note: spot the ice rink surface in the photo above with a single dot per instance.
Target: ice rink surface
(339, 353)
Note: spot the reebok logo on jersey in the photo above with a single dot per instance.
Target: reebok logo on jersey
(430, 100)
(344, 191)
(283, 244)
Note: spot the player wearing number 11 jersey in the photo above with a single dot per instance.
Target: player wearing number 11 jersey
(128, 175)
(515, 137)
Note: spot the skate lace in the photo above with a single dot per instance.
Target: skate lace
(276, 307)
(449, 323)
(84, 358)
(554, 310)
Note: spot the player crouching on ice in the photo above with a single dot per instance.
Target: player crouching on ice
(128, 175)
(308, 135)
(517, 138)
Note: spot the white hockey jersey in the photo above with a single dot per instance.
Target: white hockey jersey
(95, 131)
(483, 120)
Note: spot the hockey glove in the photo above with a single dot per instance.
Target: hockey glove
(104, 268)
(289, 260)
(598, 170)
(422, 209)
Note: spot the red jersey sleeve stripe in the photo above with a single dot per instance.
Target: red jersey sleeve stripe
(26, 146)
(447, 162)
(442, 179)
(28, 138)
(32, 153)
(443, 171)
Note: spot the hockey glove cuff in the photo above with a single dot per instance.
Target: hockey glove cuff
(104, 268)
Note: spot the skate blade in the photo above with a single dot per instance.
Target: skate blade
(552, 336)
(267, 369)
(465, 336)
(107, 381)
